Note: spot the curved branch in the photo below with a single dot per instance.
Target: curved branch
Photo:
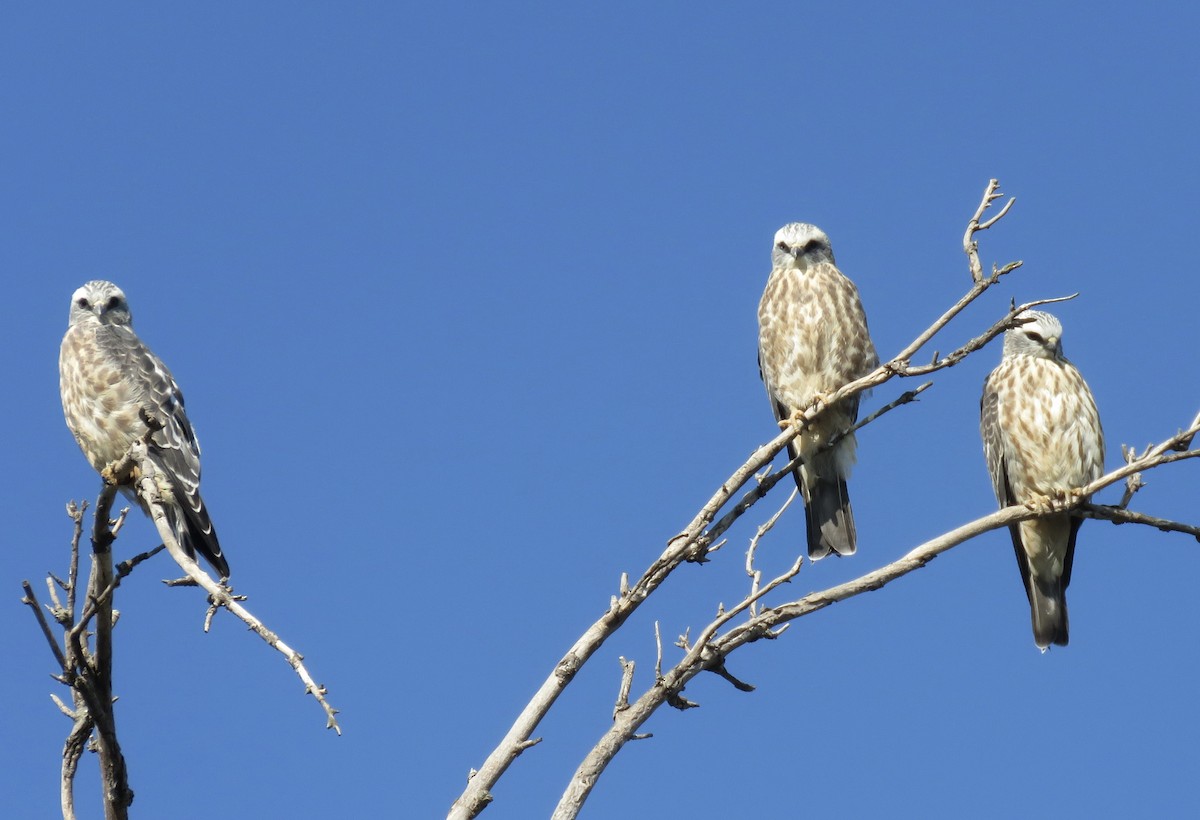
(219, 595)
(710, 653)
(694, 542)
(901, 366)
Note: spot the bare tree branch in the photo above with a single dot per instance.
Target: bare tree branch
(88, 670)
(1133, 482)
(147, 486)
(114, 776)
(709, 652)
(970, 244)
(696, 540)
(700, 538)
(979, 283)
(31, 601)
(1118, 515)
(902, 368)
(694, 544)
(752, 550)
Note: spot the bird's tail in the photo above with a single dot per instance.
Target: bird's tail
(1048, 608)
(829, 517)
(193, 529)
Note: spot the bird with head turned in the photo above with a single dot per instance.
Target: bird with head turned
(1043, 441)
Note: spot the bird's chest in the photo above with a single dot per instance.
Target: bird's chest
(1050, 447)
(802, 342)
(101, 405)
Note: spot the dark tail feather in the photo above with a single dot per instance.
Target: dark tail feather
(830, 519)
(1048, 607)
(194, 531)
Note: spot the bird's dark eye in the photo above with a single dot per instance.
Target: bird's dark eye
(112, 302)
(82, 302)
(783, 246)
(1035, 337)
(812, 245)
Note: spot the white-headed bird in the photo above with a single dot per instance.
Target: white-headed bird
(1042, 439)
(813, 339)
(107, 378)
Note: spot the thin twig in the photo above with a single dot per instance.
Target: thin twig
(626, 685)
(954, 357)
(75, 511)
(219, 595)
(970, 244)
(1117, 515)
(31, 601)
(903, 398)
(658, 645)
(1133, 482)
(710, 630)
(763, 529)
(122, 570)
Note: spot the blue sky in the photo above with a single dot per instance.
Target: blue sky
(463, 303)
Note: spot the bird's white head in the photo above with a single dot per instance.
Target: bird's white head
(99, 301)
(1040, 336)
(799, 244)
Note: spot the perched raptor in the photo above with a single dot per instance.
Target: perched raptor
(812, 339)
(1042, 438)
(107, 376)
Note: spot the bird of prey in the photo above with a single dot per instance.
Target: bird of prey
(812, 339)
(106, 376)
(1042, 438)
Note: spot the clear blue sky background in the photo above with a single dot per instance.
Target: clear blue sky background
(463, 302)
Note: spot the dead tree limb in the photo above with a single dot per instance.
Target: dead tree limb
(85, 656)
(710, 650)
(695, 541)
(87, 668)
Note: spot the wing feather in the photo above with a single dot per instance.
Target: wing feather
(993, 438)
(174, 448)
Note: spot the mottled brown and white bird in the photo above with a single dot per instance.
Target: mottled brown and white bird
(812, 339)
(1042, 438)
(106, 376)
